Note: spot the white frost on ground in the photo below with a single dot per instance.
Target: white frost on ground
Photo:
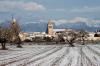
(51, 55)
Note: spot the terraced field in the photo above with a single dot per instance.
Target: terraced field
(51, 55)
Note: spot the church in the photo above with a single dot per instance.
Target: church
(51, 30)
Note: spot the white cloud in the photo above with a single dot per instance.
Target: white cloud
(33, 6)
(78, 19)
(30, 22)
(58, 22)
(89, 22)
(86, 9)
(58, 9)
(12, 5)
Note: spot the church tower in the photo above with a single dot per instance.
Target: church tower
(50, 27)
(13, 20)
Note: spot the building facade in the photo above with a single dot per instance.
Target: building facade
(51, 31)
(50, 28)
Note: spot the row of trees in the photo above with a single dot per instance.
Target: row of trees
(10, 34)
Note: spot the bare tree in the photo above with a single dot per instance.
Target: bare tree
(83, 35)
(3, 37)
(60, 38)
(16, 30)
(69, 37)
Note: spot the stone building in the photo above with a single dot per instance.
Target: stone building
(50, 28)
(51, 31)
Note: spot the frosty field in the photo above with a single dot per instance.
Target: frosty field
(51, 55)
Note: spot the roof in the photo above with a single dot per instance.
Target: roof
(58, 30)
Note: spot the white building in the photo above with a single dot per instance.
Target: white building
(93, 37)
(31, 35)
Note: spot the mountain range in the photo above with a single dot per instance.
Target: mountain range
(41, 27)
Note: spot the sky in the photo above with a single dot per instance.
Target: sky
(60, 11)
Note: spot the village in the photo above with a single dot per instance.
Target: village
(49, 32)
(53, 34)
(55, 47)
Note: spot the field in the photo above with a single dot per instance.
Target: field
(51, 55)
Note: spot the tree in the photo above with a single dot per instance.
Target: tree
(15, 27)
(59, 38)
(48, 39)
(83, 35)
(69, 37)
(3, 37)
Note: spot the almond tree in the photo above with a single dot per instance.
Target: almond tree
(69, 37)
(16, 30)
(60, 38)
(4, 37)
(83, 35)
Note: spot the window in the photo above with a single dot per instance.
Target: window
(50, 26)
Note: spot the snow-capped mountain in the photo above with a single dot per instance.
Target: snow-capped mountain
(39, 27)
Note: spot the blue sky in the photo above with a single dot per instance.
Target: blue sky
(26, 11)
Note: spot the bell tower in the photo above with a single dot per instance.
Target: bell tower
(50, 27)
(13, 20)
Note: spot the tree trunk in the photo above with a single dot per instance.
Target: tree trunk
(19, 42)
(3, 46)
(71, 45)
(83, 43)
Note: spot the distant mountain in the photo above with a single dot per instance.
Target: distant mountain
(41, 27)
(29, 27)
(34, 27)
(78, 25)
(5, 25)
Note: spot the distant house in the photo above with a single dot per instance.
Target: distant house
(97, 34)
(31, 35)
(23, 36)
(94, 36)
